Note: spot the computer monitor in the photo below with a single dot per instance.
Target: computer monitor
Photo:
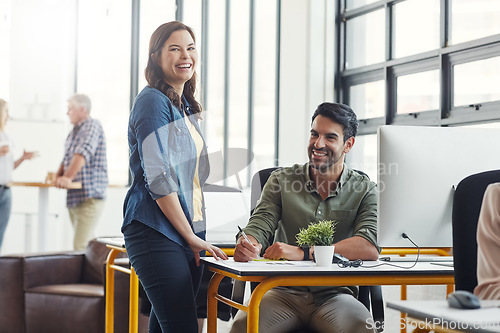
(418, 168)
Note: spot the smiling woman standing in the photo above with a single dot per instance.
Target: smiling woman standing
(164, 211)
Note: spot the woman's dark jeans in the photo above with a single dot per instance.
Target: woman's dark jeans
(168, 274)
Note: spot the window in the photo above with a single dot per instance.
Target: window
(240, 85)
(473, 19)
(477, 82)
(153, 13)
(407, 17)
(264, 89)
(368, 99)
(103, 72)
(368, 31)
(352, 4)
(363, 155)
(425, 98)
(441, 71)
(53, 48)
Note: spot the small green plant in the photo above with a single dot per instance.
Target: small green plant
(317, 234)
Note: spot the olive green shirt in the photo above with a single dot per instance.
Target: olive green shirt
(289, 202)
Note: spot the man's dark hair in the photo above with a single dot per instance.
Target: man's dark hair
(341, 114)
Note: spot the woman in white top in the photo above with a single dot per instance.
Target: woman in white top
(7, 165)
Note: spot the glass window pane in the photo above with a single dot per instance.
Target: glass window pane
(411, 34)
(153, 13)
(238, 85)
(474, 19)
(351, 4)
(214, 104)
(477, 81)
(363, 155)
(368, 99)
(418, 92)
(192, 17)
(104, 76)
(365, 40)
(264, 87)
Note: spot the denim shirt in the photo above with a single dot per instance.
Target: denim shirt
(162, 161)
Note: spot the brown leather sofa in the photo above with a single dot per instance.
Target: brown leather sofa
(61, 292)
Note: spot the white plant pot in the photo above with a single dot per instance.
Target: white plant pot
(324, 255)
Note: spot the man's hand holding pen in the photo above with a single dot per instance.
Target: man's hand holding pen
(247, 248)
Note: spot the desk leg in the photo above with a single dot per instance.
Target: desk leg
(134, 300)
(256, 297)
(43, 216)
(253, 312)
(213, 288)
(109, 315)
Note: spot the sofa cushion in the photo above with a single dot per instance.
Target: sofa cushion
(40, 270)
(80, 289)
(49, 313)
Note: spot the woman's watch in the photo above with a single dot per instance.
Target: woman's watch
(306, 252)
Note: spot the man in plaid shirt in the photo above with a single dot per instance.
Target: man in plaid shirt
(84, 161)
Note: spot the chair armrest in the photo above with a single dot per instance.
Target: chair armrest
(55, 268)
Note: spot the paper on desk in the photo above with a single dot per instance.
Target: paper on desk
(260, 262)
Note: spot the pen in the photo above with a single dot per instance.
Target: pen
(244, 235)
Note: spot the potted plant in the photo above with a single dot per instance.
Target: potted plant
(320, 235)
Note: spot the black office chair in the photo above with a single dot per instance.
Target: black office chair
(467, 202)
(370, 296)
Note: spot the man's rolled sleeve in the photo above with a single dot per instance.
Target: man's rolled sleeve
(88, 146)
(366, 219)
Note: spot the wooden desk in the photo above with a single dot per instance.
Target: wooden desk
(43, 207)
(301, 273)
(437, 314)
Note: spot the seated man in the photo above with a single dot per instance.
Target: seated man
(323, 189)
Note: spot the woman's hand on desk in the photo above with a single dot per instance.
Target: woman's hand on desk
(197, 245)
(247, 251)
